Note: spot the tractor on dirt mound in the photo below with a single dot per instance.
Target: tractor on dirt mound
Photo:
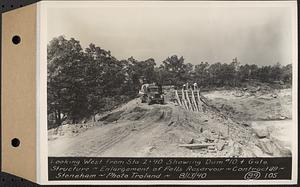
(151, 93)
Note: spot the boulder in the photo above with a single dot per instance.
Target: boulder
(220, 145)
(192, 141)
(211, 147)
(246, 124)
(274, 95)
(262, 133)
(282, 117)
(266, 146)
(208, 135)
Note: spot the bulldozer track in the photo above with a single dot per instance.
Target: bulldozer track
(119, 135)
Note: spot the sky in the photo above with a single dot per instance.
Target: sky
(212, 33)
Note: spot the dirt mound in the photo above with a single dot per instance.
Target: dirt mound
(269, 105)
(230, 138)
(154, 114)
(138, 129)
(114, 116)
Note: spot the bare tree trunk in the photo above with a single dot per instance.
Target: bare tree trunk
(94, 117)
(59, 117)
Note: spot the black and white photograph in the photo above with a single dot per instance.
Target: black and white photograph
(170, 79)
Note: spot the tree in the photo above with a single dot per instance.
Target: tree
(104, 79)
(244, 73)
(276, 72)
(66, 91)
(173, 70)
(253, 71)
(93, 81)
(82, 84)
(138, 73)
(264, 74)
(286, 75)
(235, 68)
(229, 74)
(214, 71)
(202, 74)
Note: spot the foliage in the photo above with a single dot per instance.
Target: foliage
(82, 83)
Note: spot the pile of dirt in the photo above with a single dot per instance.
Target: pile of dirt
(114, 116)
(69, 130)
(264, 104)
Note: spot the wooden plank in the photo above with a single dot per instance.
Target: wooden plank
(203, 99)
(197, 146)
(194, 101)
(184, 101)
(177, 98)
(189, 101)
(199, 101)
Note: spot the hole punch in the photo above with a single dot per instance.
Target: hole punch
(16, 39)
(15, 142)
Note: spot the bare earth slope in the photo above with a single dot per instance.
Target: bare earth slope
(137, 129)
(254, 105)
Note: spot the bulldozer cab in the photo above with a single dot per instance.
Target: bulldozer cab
(147, 88)
(152, 89)
(151, 93)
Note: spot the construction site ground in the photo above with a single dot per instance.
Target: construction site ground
(233, 124)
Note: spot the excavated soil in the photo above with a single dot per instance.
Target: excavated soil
(252, 105)
(138, 130)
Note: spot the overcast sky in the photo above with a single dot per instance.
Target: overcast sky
(261, 35)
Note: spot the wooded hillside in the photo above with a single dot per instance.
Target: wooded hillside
(84, 82)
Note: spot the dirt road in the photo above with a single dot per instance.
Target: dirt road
(137, 130)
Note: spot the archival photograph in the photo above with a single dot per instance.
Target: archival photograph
(170, 80)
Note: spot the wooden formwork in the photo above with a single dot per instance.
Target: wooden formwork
(189, 99)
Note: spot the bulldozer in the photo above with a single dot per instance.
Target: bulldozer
(151, 93)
